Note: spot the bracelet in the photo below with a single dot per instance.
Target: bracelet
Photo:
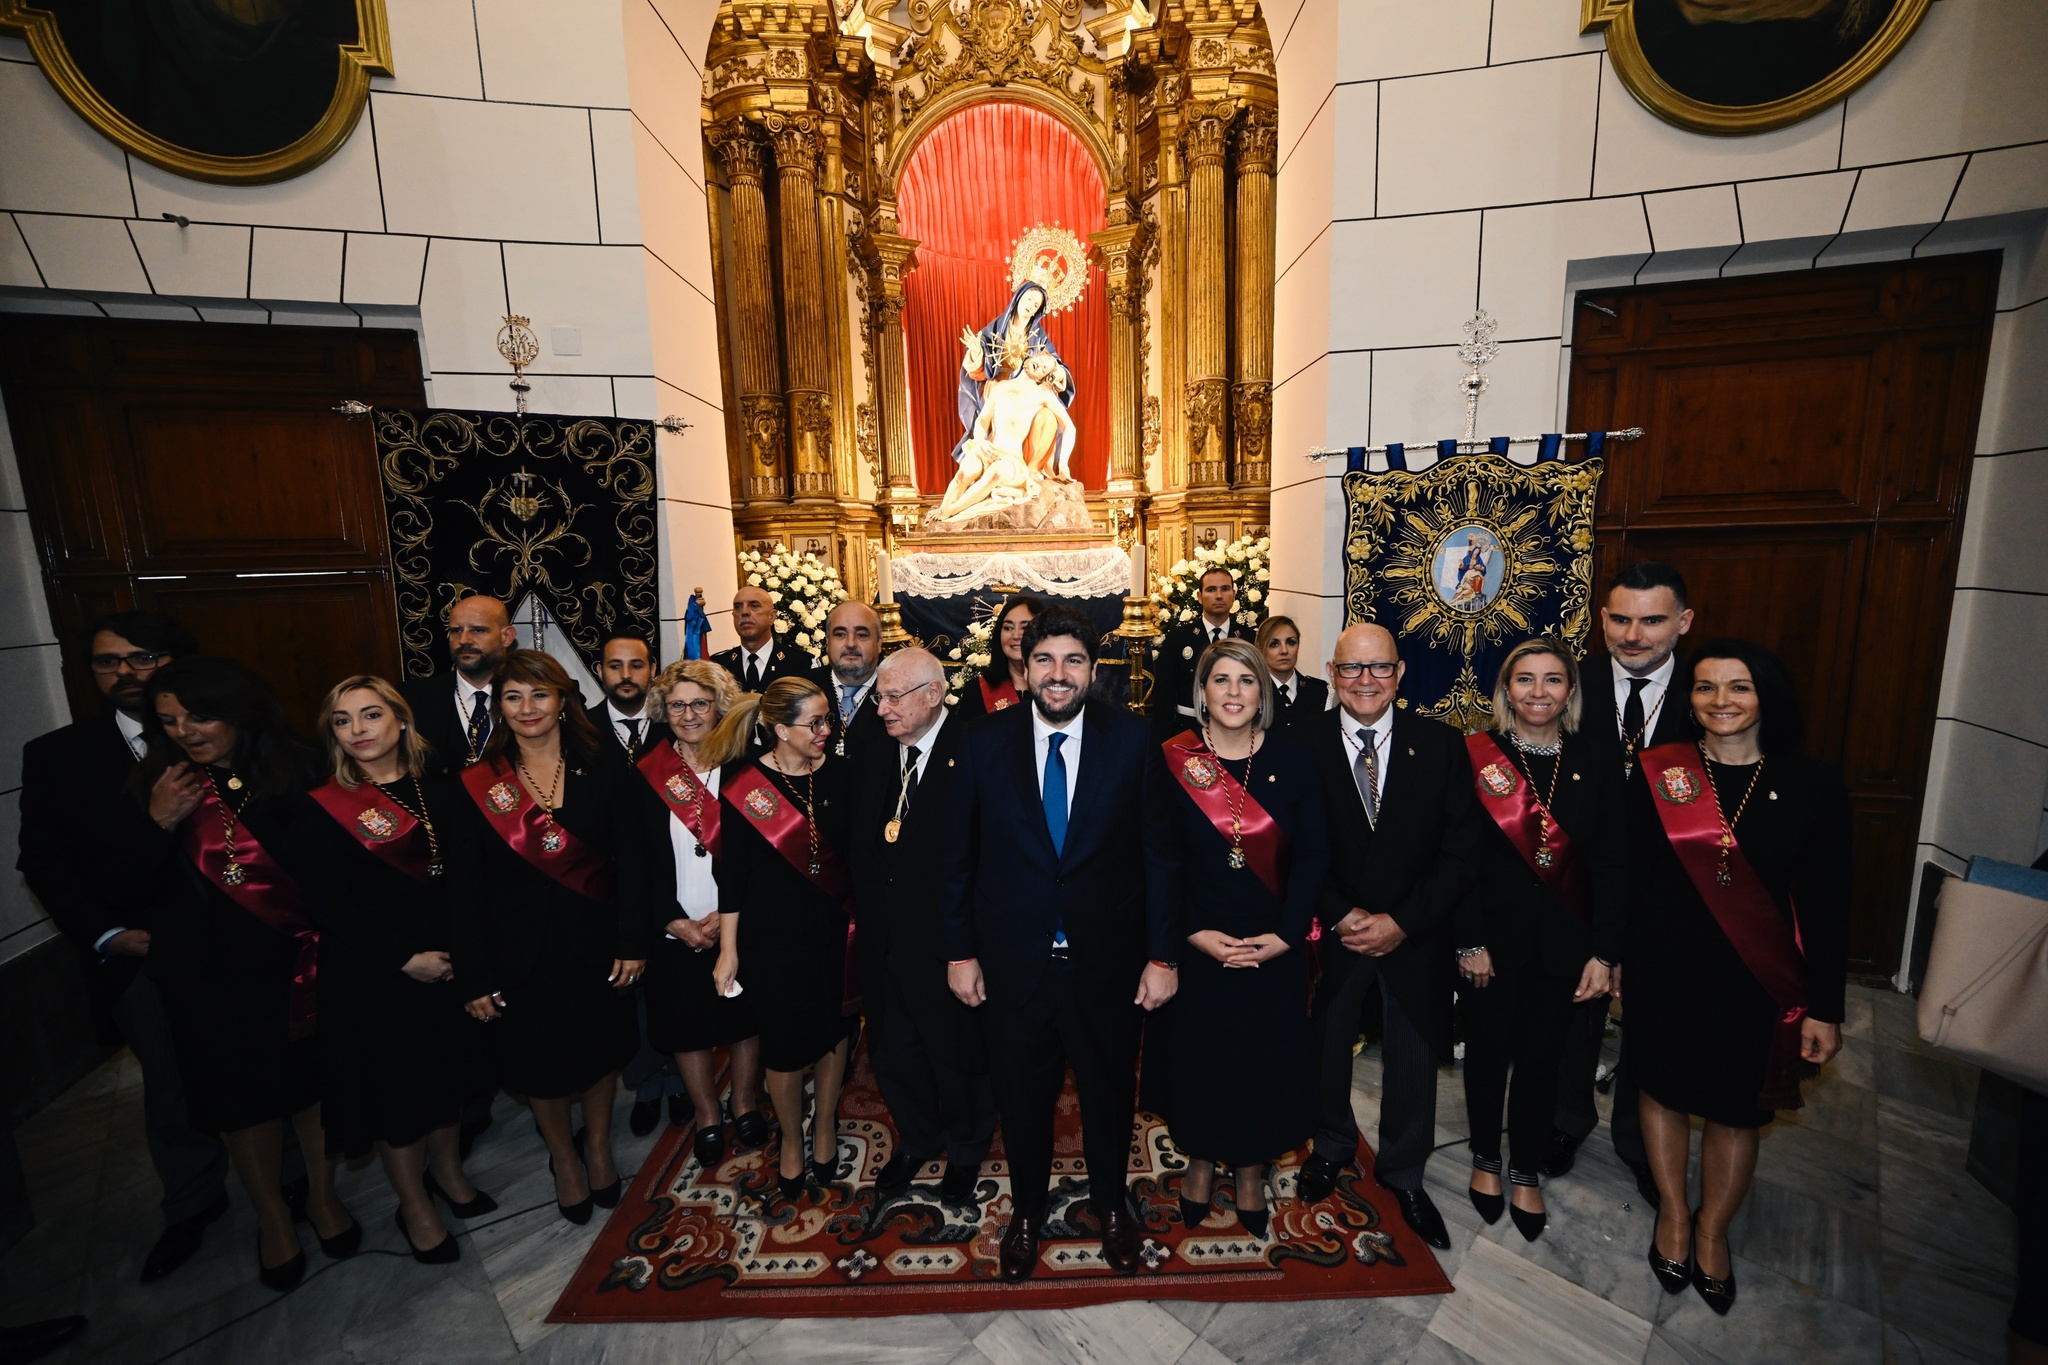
(1167, 966)
(1464, 953)
(962, 962)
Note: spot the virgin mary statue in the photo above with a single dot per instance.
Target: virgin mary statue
(998, 352)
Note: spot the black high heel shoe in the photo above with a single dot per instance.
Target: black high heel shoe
(792, 1187)
(578, 1212)
(1529, 1224)
(1673, 1275)
(444, 1252)
(1488, 1206)
(475, 1208)
(604, 1196)
(1192, 1214)
(1719, 1294)
(343, 1244)
(281, 1278)
(1258, 1221)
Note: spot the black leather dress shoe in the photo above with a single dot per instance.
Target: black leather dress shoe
(708, 1147)
(894, 1178)
(750, 1130)
(646, 1113)
(33, 1339)
(960, 1184)
(1317, 1181)
(1563, 1154)
(180, 1240)
(1418, 1211)
(680, 1110)
(1018, 1254)
(1719, 1294)
(1119, 1237)
(1646, 1184)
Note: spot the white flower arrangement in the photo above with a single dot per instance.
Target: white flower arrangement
(802, 590)
(972, 656)
(1249, 562)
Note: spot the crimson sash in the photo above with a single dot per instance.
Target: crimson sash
(1204, 778)
(379, 824)
(683, 792)
(782, 824)
(518, 819)
(999, 698)
(265, 890)
(1512, 803)
(1744, 908)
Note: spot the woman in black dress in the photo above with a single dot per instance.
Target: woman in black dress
(552, 915)
(236, 955)
(1297, 698)
(1002, 684)
(1541, 928)
(686, 1016)
(1234, 1070)
(783, 882)
(398, 1055)
(1737, 945)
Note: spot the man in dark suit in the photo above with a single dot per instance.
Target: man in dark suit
(1298, 700)
(1404, 831)
(853, 649)
(1173, 660)
(1632, 700)
(71, 799)
(926, 1046)
(1061, 912)
(759, 658)
(453, 709)
(626, 727)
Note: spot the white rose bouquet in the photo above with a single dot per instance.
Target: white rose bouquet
(972, 656)
(1173, 593)
(802, 590)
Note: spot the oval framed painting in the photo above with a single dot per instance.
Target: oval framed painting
(1748, 66)
(239, 92)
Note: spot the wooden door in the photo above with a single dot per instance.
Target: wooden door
(198, 470)
(1807, 451)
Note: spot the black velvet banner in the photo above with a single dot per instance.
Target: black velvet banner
(561, 508)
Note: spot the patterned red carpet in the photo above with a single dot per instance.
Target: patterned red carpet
(687, 1243)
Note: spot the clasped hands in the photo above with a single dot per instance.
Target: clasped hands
(625, 972)
(1239, 952)
(698, 934)
(1364, 932)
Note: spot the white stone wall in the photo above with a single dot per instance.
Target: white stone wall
(1481, 153)
(531, 156)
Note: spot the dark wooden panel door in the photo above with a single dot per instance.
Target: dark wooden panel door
(199, 470)
(1807, 454)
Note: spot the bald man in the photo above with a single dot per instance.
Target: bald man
(1404, 833)
(926, 1046)
(453, 709)
(853, 650)
(759, 658)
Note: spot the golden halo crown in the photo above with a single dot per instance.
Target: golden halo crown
(1056, 260)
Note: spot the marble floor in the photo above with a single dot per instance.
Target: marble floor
(1864, 1241)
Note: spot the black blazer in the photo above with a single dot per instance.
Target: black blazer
(865, 732)
(1597, 715)
(76, 824)
(1173, 673)
(433, 710)
(1115, 886)
(611, 749)
(1518, 919)
(898, 887)
(784, 661)
(1416, 866)
(1311, 699)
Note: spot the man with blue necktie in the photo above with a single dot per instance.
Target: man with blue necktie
(1062, 925)
(853, 650)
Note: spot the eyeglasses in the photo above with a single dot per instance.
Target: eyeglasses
(141, 661)
(1377, 669)
(821, 726)
(690, 708)
(896, 698)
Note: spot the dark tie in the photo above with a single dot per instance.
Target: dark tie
(753, 672)
(479, 723)
(1054, 793)
(1632, 713)
(1365, 772)
(633, 744)
(909, 776)
(1215, 634)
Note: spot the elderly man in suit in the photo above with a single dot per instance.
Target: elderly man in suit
(1062, 922)
(453, 709)
(759, 658)
(926, 1046)
(1403, 839)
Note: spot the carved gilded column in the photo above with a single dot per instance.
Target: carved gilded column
(1252, 397)
(756, 357)
(1124, 274)
(892, 385)
(803, 302)
(1205, 135)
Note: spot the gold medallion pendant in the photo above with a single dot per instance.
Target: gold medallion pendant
(1236, 858)
(817, 869)
(234, 784)
(892, 830)
(551, 842)
(233, 874)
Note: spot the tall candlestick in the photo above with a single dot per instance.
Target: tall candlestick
(1139, 587)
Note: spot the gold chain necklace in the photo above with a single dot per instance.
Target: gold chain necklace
(551, 837)
(1235, 793)
(435, 867)
(232, 873)
(1545, 855)
(810, 808)
(1722, 873)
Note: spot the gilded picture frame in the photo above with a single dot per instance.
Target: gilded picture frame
(369, 55)
(1639, 72)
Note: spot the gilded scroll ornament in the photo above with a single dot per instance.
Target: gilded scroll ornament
(1252, 419)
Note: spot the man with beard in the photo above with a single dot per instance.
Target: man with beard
(624, 728)
(1628, 708)
(853, 647)
(453, 710)
(72, 801)
(759, 658)
(1062, 924)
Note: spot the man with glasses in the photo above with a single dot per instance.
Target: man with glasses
(453, 709)
(72, 805)
(1404, 833)
(926, 1046)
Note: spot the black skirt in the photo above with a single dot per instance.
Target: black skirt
(684, 1012)
(398, 1058)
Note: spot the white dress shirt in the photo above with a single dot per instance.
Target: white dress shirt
(1382, 733)
(925, 744)
(1070, 752)
(621, 726)
(759, 656)
(464, 691)
(1287, 688)
(1653, 693)
(696, 888)
(131, 732)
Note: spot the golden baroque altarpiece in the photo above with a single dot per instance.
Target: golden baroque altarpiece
(811, 112)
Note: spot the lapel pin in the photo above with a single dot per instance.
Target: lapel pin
(1411, 753)
(1575, 777)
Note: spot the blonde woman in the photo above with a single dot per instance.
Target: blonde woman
(398, 1055)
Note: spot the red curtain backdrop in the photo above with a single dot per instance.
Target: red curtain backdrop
(975, 184)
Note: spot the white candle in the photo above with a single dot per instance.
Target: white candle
(1138, 585)
(887, 584)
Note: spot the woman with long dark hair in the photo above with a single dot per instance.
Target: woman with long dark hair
(784, 903)
(1737, 945)
(398, 1055)
(1002, 684)
(552, 916)
(237, 955)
